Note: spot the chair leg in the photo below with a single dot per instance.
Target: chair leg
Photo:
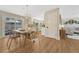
(15, 40)
(24, 41)
(20, 41)
(10, 44)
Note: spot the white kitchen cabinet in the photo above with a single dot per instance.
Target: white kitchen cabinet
(51, 21)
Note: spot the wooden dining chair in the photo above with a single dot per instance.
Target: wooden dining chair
(34, 35)
(12, 37)
(35, 38)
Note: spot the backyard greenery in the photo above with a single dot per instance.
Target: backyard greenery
(72, 21)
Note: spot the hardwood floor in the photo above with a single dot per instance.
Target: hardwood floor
(42, 45)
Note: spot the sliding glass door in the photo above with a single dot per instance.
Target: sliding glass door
(12, 24)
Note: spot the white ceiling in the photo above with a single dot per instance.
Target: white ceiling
(37, 11)
(17, 9)
(66, 11)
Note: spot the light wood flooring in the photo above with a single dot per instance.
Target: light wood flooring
(42, 45)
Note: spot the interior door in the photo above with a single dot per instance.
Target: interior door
(51, 21)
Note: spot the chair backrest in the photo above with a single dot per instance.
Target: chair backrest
(35, 34)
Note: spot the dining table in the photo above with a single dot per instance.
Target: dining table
(23, 36)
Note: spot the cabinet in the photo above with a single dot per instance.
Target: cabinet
(52, 23)
(62, 34)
